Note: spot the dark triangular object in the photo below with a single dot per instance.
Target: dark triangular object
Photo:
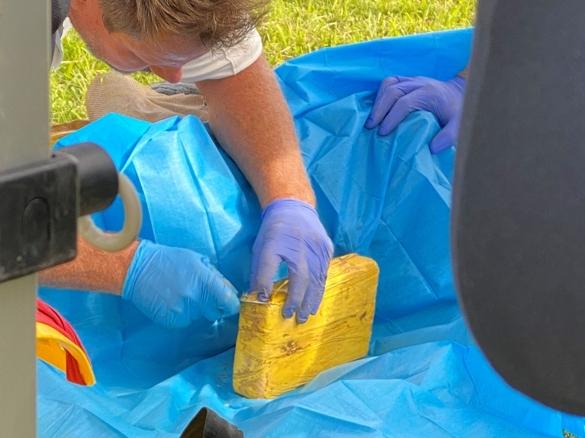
(207, 424)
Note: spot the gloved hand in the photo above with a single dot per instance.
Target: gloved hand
(175, 286)
(291, 232)
(398, 96)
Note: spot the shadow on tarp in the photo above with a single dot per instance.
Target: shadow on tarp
(385, 197)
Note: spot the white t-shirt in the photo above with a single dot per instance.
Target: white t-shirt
(215, 64)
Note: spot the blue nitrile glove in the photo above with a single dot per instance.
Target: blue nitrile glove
(175, 286)
(398, 96)
(291, 232)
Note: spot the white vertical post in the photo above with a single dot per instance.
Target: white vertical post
(24, 60)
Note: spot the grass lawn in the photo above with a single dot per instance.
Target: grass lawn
(293, 27)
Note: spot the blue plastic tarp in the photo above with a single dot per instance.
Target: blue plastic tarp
(385, 197)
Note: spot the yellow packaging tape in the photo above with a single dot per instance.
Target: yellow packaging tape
(274, 355)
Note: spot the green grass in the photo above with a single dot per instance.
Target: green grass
(293, 27)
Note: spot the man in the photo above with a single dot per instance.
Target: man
(214, 45)
(399, 96)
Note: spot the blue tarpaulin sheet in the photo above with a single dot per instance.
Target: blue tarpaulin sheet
(384, 197)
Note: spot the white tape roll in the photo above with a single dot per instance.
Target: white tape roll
(113, 242)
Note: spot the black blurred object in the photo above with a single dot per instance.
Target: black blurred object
(519, 197)
(41, 204)
(207, 424)
(59, 12)
(98, 177)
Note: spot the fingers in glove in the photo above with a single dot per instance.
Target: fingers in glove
(400, 111)
(446, 138)
(317, 288)
(312, 300)
(322, 255)
(297, 288)
(219, 298)
(265, 263)
(390, 92)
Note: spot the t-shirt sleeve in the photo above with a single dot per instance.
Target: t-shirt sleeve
(224, 62)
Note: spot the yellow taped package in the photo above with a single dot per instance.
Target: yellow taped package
(275, 355)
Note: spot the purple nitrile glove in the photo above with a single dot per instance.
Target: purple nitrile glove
(291, 232)
(175, 287)
(398, 96)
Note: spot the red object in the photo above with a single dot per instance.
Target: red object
(50, 317)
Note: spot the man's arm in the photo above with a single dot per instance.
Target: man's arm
(249, 116)
(92, 269)
(171, 286)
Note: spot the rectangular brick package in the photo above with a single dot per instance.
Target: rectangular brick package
(274, 355)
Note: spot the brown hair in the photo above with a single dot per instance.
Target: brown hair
(217, 23)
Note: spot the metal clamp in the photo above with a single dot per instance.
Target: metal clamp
(38, 227)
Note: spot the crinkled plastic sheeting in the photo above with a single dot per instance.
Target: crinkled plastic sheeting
(387, 198)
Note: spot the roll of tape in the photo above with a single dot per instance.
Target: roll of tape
(113, 242)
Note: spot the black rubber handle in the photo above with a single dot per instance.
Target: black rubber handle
(98, 177)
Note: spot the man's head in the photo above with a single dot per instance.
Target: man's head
(161, 35)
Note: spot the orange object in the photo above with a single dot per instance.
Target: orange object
(59, 131)
(59, 345)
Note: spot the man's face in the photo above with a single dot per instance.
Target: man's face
(165, 57)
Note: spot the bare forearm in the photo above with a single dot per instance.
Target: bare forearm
(250, 118)
(92, 270)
